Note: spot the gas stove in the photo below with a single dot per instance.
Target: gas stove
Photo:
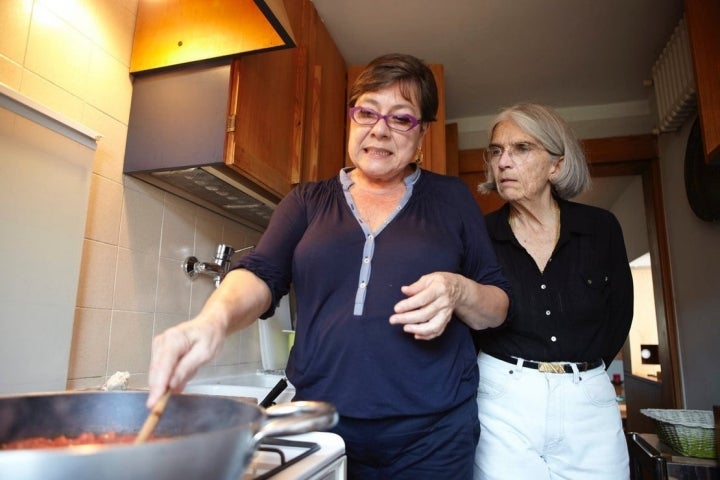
(309, 456)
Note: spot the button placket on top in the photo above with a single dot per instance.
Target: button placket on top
(369, 247)
(548, 311)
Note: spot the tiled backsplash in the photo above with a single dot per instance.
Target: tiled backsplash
(73, 57)
(133, 289)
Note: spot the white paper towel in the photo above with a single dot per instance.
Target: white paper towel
(274, 348)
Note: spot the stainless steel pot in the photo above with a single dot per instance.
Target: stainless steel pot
(211, 437)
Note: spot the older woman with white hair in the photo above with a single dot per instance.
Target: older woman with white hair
(546, 405)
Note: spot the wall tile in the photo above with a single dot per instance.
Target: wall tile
(174, 288)
(117, 21)
(212, 371)
(249, 344)
(178, 228)
(104, 210)
(230, 353)
(163, 321)
(10, 73)
(138, 381)
(57, 52)
(141, 222)
(51, 96)
(110, 153)
(91, 336)
(107, 70)
(130, 338)
(86, 383)
(202, 288)
(208, 234)
(15, 25)
(136, 284)
(97, 275)
(236, 236)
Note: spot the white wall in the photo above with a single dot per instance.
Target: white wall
(591, 121)
(629, 209)
(695, 266)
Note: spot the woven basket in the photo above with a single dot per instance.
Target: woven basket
(690, 433)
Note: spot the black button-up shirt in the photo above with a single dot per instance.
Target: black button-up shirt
(580, 308)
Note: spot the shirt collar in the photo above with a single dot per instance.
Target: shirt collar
(347, 182)
(572, 221)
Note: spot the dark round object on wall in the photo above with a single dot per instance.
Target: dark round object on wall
(702, 179)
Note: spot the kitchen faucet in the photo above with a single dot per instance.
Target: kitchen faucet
(217, 268)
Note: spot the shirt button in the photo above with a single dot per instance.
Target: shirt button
(362, 284)
(547, 313)
(370, 236)
(543, 286)
(366, 260)
(553, 338)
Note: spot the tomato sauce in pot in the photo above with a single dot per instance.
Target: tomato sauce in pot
(87, 438)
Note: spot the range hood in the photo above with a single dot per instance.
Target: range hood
(180, 63)
(176, 141)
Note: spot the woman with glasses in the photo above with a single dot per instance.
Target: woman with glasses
(547, 407)
(391, 267)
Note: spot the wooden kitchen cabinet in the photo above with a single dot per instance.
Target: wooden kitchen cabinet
(703, 18)
(286, 115)
(433, 145)
(324, 138)
(471, 170)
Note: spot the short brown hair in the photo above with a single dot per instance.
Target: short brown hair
(414, 77)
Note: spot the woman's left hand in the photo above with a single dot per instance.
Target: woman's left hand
(429, 306)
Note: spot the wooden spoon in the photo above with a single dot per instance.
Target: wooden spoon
(153, 418)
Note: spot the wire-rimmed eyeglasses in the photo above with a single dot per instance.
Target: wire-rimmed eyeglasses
(518, 151)
(368, 116)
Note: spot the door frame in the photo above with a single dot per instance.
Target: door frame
(638, 155)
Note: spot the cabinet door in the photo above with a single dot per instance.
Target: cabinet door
(266, 118)
(324, 136)
(266, 113)
(471, 169)
(703, 17)
(433, 145)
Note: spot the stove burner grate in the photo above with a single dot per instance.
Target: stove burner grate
(271, 445)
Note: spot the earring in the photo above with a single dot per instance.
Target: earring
(419, 157)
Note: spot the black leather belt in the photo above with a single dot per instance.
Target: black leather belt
(549, 367)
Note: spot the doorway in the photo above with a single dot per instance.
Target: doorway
(638, 155)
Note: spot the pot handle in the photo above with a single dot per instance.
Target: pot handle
(293, 418)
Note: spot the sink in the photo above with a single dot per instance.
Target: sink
(262, 380)
(253, 385)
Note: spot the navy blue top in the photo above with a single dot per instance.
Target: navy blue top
(580, 308)
(347, 280)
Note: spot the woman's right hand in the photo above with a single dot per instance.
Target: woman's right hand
(178, 352)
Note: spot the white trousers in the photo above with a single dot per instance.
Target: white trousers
(554, 426)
